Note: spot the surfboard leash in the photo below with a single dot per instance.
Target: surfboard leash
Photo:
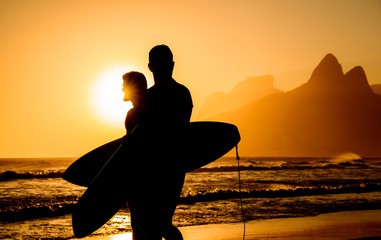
(239, 192)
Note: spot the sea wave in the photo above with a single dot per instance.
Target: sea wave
(248, 165)
(13, 175)
(18, 209)
(205, 196)
(13, 210)
(264, 166)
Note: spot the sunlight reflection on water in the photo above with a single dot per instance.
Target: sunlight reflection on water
(124, 236)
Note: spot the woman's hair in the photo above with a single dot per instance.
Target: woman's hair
(135, 79)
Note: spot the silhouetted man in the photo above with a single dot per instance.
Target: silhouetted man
(168, 110)
(170, 102)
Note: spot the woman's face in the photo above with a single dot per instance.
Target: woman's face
(131, 93)
(126, 92)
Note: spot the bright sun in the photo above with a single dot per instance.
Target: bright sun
(107, 96)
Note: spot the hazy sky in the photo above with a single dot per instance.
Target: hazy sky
(55, 53)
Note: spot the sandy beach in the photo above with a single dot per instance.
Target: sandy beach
(332, 226)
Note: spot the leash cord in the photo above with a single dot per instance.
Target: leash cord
(240, 194)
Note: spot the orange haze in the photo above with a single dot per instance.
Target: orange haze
(53, 52)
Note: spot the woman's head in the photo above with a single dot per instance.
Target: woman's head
(134, 86)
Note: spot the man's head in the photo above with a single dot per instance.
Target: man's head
(161, 61)
(134, 86)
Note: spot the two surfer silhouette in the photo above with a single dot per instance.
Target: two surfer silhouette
(162, 111)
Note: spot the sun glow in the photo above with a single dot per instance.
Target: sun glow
(107, 96)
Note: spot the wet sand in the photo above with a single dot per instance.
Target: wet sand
(341, 225)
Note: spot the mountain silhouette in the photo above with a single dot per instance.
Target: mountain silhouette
(332, 113)
(249, 90)
(376, 88)
(328, 77)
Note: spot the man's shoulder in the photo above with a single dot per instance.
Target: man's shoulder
(180, 87)
(184, 94)
(172, 86)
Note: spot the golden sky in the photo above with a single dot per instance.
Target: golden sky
(54, 54)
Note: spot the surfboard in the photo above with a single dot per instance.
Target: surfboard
(212, 135)
(195, 146)
(84, 169)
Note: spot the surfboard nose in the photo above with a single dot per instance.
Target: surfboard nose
(235, 133)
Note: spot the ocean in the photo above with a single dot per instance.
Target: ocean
(36, 203)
